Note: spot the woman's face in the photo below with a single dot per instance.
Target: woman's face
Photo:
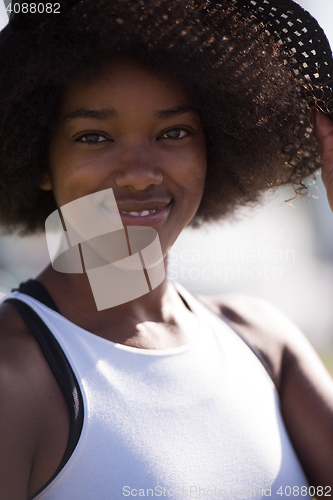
(133, 132)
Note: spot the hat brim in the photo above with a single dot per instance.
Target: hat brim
(302, 39)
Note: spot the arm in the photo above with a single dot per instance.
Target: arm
(34, 417)
(323, 126)
(307, 409)
(17, 437)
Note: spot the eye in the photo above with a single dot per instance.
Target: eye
(175, 133)
(91, 138)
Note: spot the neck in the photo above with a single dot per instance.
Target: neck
(157, 319)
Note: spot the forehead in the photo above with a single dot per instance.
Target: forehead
(124, 84)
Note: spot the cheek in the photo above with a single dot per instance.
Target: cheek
(75, 175)
(195, 173)
(191, 178)
(195, 183)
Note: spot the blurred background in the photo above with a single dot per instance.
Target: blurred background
(281, 251)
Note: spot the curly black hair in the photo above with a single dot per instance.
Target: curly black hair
(252, 108)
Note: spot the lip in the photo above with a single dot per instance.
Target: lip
(147, 220)
(141, 205)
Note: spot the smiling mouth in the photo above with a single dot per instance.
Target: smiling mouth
(144, 213)
(146, 217)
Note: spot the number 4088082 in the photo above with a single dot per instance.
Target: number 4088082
(312, 491)
(34, 8)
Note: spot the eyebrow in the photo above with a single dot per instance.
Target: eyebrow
(105, 114)
(96, 114)
(177, 110)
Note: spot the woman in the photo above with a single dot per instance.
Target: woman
(183, 113)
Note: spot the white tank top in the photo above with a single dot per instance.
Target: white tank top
(197, 421)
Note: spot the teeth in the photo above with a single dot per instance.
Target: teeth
(140, 214)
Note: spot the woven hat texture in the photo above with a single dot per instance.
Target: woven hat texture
(304, 42)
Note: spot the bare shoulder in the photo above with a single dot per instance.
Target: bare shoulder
(20, 356)
(28, 394)
(253, 311)
(303, 383)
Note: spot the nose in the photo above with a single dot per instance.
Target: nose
(137, 169)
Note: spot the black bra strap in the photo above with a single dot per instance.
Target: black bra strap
(37, 291)
(62, 371)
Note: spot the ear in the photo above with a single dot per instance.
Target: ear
(46, 183)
